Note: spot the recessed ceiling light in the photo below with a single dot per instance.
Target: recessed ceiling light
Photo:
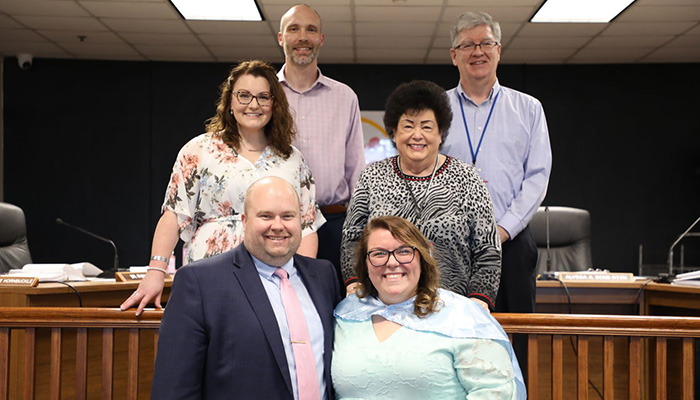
(218, 10)
(581, 11)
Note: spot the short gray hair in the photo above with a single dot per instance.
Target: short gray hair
(472, 19)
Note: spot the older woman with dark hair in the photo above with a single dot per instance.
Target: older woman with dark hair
(400, 337)
(442, 196)
(249, 137)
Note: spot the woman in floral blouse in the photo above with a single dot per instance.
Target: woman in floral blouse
(249, 138)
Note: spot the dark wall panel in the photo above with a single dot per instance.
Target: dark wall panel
(94, 142)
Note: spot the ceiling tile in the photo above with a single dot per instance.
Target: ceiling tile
(393, 29)
(543, 52)
(393, 42)
(7, 22)
(553, 42)
(409, 3)
(660, 14)
(568, 30)
(646, 28)
(403, 15)
(43, 7)
(45, 48)
(91, 37)
(499, 14)
(389, 54)
(249, 41)
(146, 26)
(235, 53)
(20, 35)
(61, 23)
(666, 2)
(628, 41)
(166, 53)
(329, 13)
(675, 54)
(685, 41)
(230, 28)
(610, 55)
(500, 3)
(694, 31)
(374, 60)
(161, 38)
(135, 10)
(338, 41)
(440, 55)
(335, 54)
(88, 49)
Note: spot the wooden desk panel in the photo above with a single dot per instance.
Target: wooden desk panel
(93, 294)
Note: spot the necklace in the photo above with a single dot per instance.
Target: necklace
(418, 205)
(252, 150)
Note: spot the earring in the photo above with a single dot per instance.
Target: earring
(230, 112)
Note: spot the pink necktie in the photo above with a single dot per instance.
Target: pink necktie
(307, 379)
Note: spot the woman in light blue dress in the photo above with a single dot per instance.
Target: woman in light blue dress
(400, 337)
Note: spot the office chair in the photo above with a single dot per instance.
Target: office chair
(14, 251)
(569, 239)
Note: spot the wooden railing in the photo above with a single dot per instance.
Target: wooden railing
(645, 340)
(33, 363)
(109, 351)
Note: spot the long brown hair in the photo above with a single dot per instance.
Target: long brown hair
(279, 131)
(427, 300)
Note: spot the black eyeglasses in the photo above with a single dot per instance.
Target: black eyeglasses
(264, 99)
(403, 255)
(485, 45)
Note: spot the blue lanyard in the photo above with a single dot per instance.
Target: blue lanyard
(466, 128)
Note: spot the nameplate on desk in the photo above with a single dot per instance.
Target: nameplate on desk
(597, 277)
(133, 276)
(30, 281)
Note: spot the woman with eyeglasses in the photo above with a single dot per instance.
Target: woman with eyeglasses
(400, 337)
(249, 137)
(444, 197)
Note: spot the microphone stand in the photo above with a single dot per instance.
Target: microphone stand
(98, 237)
(670, 251)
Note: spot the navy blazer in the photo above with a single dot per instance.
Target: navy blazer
(219, 338)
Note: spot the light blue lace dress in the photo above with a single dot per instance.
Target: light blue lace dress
(419, 362)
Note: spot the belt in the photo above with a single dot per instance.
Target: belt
(334, 209)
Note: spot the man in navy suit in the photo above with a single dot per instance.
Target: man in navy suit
(224, 333)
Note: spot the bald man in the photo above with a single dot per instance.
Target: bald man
(225, 332)
(329, 125)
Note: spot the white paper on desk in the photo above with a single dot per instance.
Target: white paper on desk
(70, 273)
(87, 269)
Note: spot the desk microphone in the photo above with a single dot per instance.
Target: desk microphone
(546, 222)
(98, 237)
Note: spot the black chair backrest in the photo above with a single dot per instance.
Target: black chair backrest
(14, 251)
(569, 238)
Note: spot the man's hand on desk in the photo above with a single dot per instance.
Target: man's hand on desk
(151, 287)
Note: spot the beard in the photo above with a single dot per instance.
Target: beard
(303, 60)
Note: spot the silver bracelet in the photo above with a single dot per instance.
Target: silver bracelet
(157, 269)
(160, 258)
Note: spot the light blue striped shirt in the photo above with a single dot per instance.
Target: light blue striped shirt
(515, 158)
(271, 283)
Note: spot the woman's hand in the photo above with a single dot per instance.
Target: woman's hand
(151, 287)
(350, 289)
(481, 303)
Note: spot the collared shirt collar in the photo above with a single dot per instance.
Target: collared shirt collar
(496, 87)
(266, 271)
(321, 80)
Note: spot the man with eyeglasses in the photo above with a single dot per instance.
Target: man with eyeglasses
(503, 134)
(329, 126)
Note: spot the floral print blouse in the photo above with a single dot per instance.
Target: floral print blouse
(207, 188)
